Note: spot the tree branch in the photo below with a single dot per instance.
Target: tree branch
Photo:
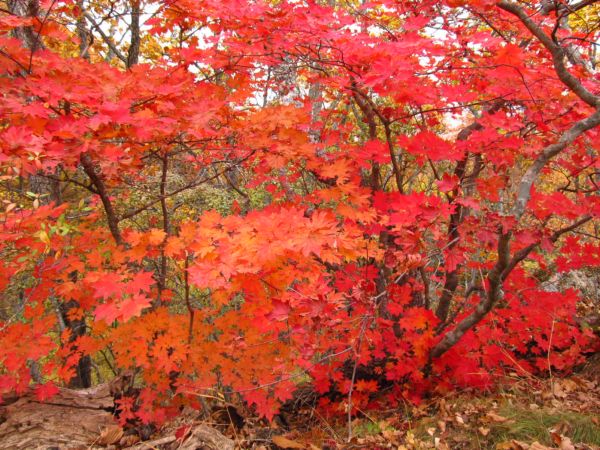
(504, 266)
(133, 53)
(557, 52)
(524, 252)
(135, 212)
(494, 294)
(111, 216)
(547, 154)
(107, 40)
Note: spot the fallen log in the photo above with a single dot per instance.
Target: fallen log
(72, 419)
(83, 419)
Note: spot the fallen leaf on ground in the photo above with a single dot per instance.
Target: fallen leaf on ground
(283, 442)
(496, 417)
(110, 435)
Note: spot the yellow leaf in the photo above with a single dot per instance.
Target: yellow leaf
(43, 236)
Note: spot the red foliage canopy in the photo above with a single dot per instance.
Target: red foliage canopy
(241, 194)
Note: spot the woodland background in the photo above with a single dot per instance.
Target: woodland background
(348, 210)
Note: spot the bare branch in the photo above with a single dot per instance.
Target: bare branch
(107, 40)
(135, 212)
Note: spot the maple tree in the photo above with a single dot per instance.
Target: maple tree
(237, 195)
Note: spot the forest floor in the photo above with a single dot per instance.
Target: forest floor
(531, 414)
